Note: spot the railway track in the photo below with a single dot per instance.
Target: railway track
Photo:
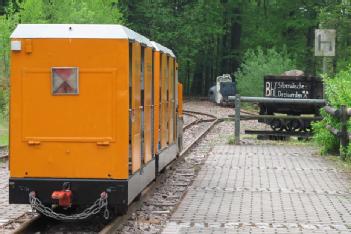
(202, 122)
(3, 152)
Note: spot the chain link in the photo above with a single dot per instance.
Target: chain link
(94, 209)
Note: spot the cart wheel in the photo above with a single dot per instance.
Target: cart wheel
(277, 125)
(294, 125)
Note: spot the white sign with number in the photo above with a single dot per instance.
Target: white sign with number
(325, 42)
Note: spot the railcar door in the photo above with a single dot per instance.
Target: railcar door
(171, 101)
(164, 101)
(148, 108)
(136, 108)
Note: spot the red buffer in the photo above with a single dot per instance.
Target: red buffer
(64, 197)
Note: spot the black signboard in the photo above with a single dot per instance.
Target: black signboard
(285, 88)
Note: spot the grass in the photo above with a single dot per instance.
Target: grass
(291, 141)
(251, 107)
(4, 131)
(340, 163)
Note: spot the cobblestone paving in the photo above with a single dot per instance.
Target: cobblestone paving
(265, 189)
(8, 212)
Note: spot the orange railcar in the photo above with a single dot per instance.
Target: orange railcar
(90, 112)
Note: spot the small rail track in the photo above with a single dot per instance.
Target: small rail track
(4, 155)
(41, 224)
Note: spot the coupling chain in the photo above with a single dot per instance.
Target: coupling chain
(100, 204)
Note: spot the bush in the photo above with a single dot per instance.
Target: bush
(337, 91)
(258, 63)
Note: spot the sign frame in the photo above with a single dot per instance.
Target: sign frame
(325, 40)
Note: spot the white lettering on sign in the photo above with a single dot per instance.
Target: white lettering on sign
(292, 89)
(268, 89)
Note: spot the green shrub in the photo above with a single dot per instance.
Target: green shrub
(231, 140)
(258, 63)
(337, 91)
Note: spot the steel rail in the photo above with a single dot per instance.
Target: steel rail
(192, 122)
(4, 156)
(197, 119)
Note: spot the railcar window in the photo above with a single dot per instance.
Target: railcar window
(65, 80)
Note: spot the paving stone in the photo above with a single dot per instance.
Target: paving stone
(8, 212)
(265, 189)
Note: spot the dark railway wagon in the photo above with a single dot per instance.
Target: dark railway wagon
(295, 87)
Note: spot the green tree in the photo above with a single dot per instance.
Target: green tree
(7, 23)
(84, 11)
(258, 63)
(33, 11)
(337, 15)
(191, 28)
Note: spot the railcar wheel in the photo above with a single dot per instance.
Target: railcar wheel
(307, 126)
(294, 125)
(277, 125)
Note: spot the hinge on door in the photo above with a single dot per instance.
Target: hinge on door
(103, 143)
(33, 142)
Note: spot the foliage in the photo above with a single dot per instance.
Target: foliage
(209, 37)
(281, 23)
(84, 11)
(53, 11)
(337, 90)
(337, 15)
(4, 103)
(4, 133)
(258, 63)
(231, 140)
(32, 11)
(7, 23)
(191, 28)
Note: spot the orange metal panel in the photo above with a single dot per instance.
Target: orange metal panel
(156, 100)
(136, 103)
(147, 104)
(164, 101)
(180, 100)
(171, 111)
(175, 84)
(72, 136)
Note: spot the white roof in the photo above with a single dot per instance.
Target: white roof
(159, 47)
(96, 31)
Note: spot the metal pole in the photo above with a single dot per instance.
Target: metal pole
(237, 119)
(284, 100)
(325, 65)
(324, 72)
(344, 138)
